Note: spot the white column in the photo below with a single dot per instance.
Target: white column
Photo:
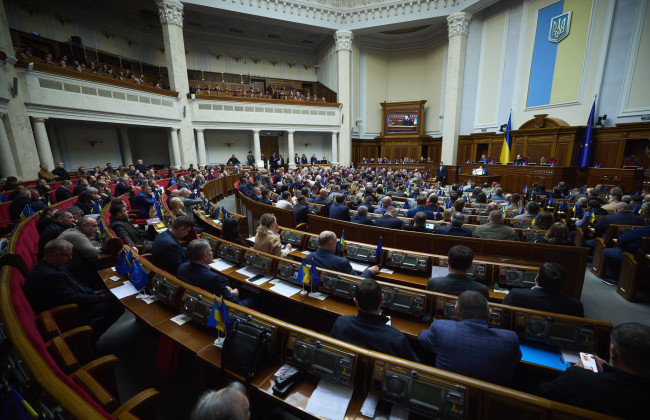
(54, 143)
(170, 150)
(343, 39)
(457, 27)
(171, 19)
(125, 143)
(334, 157)
(200, 145)
(7, 164)
(176, 153)
(257, 149)
(42, 142)
(290, 149)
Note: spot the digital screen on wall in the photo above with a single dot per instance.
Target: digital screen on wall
(400, 122)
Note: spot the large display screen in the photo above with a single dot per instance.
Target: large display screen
(403, 121)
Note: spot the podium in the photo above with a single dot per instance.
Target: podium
(479, 179)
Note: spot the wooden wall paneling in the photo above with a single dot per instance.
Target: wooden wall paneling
(562, 153)
(607, 152)
(495, 149)
(518, 147)
(538, 149)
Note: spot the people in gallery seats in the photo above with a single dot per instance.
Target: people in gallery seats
(546, 294)
(60, 172)
(45, 174)
(325, 257)
(267, 238)
(129, 233)
(459, 261)
(369, 329)
(196, 271)
(620, 388)
(229, 403)
(167, 252)
(468, 347)
(49, 284)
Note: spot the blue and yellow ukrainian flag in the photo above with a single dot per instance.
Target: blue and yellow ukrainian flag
(556, 67)
(507, 143)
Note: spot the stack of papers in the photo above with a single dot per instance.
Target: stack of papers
(330, 400)
(221, 265)
(123, 291)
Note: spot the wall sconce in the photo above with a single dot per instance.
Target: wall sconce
(93, 142)
(237, 57)
(256, 59)
(131, 42)
(291, 64)
(228, 143)
(108, 34)
(216, 54)
(274, 60)
(32, 9)
(306, 66)
(601, 121)
(307, 145)
(502, 128)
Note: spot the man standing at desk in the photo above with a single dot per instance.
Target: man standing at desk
(441, 174)
(368, 329)
(620, 389)
(468, 347)
(325, 258)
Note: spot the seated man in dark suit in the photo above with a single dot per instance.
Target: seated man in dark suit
(545, 295)
(49, 284)
(325, 258)
(419, 223)
(322, 198)
(432, 205)
(301, 210)
(60, 171)
(62, 220)
(339, 210)
(456, 227)
(197, 272)
(123, 186)
(23, 197)
(144, 201)
(368, 329)
(64, 191)
(168, 254)
(361, 217)
(621, 216)
(456, 282)
(468, 347)
(82, 185)
(125, 230)
(421, 203)
(400, 192)
(368, 204)
(626, 379)
(389, 219)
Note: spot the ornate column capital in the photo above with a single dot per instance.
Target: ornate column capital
(343, 39)
(291, 131)
(457, 23)
(199, 130)
(170, 11)
(39, 120)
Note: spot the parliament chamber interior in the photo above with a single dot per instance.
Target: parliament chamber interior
(324, 209)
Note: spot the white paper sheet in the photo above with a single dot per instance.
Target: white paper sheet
(285, 289)
(398, 413)
(123, 291)
(261, 280)
(570, 356)
(248, 272)
(358, 266)
(437, 271)
(180, 319)
(330, 400)
(220, 264)
(115, 278)
(369, 406)
(306, 252)
(387, 271)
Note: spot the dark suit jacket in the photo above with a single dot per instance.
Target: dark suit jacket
(414, 228)
(371, 332)
(455, 231)
(414, 210)
(361, 220)
(541, 300)
(390, 222)
(602, 392)
(61, 173)
(140, 167)
(168, 253)
(62, 193)
(326, 259)
(339, 212)
(472, 349)
(122, 188)
(143, 203)
(314, 160)
(201, 276)
(17, 205)
(631, 240)
(301, 212)
(455, 284)
(78, 189)
(47, 286)
(620, 218)
(441, 172)
(128, 233)
(52, 231)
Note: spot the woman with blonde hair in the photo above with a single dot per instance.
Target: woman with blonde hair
(557, 234)
(267, 238)
(177, 207)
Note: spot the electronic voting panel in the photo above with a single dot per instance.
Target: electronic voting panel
(197, 308)
(166, 291)
(338, 285)
(511, 277)
(288, 271)
(324, 360)
(360, 252)
(312, 243)
(419, 393)
(262, 263)
(401, 300)
(556, 331)
(477, 272)
(297, 240)
(231, 252)
(408, 261)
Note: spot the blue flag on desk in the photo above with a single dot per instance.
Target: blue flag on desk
(314, 276)
(584, 154)
(303, 274)
(407, 206)
(124, 263)
(379, 249)
(223, 309)
(139, 278)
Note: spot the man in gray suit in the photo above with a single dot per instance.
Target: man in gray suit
(495, 229)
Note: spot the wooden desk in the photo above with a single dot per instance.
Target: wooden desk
(464, 178)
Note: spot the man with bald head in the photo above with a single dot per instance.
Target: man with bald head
(325, 257)
(229, 403)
